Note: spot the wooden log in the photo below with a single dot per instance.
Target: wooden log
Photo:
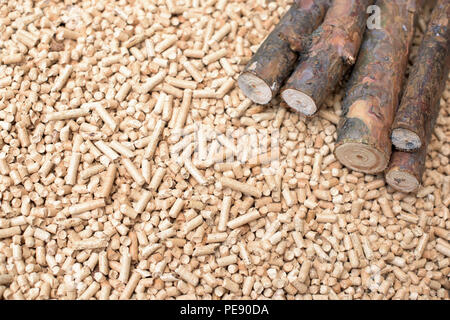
(363, 142)
(419, 107)
(406, 169)
(276, 57)
(335, 46)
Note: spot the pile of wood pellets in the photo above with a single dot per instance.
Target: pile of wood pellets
(110, 188)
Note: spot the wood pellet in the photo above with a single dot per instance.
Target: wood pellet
(107, 193)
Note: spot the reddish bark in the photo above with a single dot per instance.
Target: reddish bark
(421, 102)
(419, 107)
(273, 62)
(374, 90)
(335, 46)
(406, 169)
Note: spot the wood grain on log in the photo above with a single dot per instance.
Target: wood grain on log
(276, 57)
(419, 107)
(335, 46)
(363, 142)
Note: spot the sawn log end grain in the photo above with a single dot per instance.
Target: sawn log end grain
(273, 62)
(373, 94)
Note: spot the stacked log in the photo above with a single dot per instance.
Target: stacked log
(370, 123)
(363, 142)
(335, 46)
(419, 108)
(276, 57)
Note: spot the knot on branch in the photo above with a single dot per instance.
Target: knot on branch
(296, 43)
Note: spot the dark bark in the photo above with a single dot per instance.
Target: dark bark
(335, 46)
(419, 107)
(276, 57)
(406, 169)
(363, 142)
(421, 103)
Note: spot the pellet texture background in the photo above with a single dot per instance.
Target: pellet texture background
(128, 171)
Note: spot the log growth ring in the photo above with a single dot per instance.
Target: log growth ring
(361, 157)
(406, 140)
(402, 181)
(299, 102)
(255, 88)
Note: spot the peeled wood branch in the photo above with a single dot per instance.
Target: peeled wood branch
(363, 142)
(273, 62)
(419, 107)
(335, 46)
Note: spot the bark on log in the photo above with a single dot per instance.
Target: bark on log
(419, 107)
(335, 46)
(276, 57)
(363, 142)
(406, 169)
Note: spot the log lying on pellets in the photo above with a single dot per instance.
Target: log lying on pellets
(363, 142)
(335, 46)
(420, 103)
(406, 169)
(276, 57)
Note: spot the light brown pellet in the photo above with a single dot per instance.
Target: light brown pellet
(133, 171)
(194, 53)
(156, 179)
(180, 83)
(72, 170)
(106, 117)
(166, 43)
(131, 286)
(86, 206)
(106, 150)
(153, 143)
(109, 180)
(205, 250)
(93, 288)
(9, 232)
(244, 219)
(143, 201)
(195, 74)
(176, 208)
(195, 173)
(212, 57)
(187, 276)
(91, 243)
(150, 83)
(445, 250)
(91, 171)
(61, 81)
(13, 58)
(241, 187)
(67, 114)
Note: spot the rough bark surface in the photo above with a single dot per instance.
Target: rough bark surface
(335, 46)
(363, 142)
(406, 169)
(420, 104)
(419, 107)
(276, 57)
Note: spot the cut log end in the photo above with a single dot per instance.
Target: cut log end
(255, 88)
(299, 102)
(402, 181)
(361, 157)
(406, 140)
